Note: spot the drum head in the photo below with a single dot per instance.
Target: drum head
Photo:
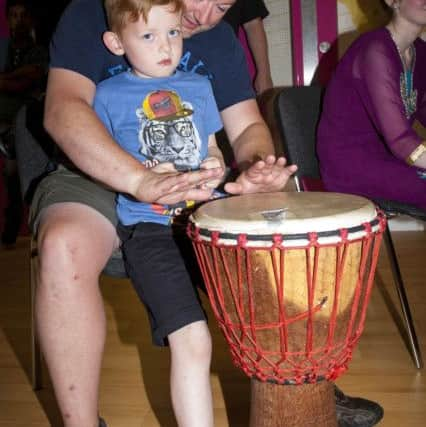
(284, 213)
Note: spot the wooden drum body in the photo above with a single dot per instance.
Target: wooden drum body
(289, 276)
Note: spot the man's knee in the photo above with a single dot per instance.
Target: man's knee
(65, 247)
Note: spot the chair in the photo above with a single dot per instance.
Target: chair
(297, 111)
(33, 159)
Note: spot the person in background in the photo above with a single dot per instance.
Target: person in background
(24, 75)
(4, 35)
(22, 80)
(366, 141)
(246, 18)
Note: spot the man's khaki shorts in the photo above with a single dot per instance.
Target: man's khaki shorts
(63, 186)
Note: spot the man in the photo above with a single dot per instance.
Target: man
(74, 217)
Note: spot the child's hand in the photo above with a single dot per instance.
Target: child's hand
(163, 184)
(212, 162)
(166, 167)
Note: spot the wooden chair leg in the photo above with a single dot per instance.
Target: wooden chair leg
(36, 366)
(405, 305)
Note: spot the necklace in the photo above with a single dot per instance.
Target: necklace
(406, 88)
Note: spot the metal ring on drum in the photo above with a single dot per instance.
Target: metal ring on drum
(289, 277)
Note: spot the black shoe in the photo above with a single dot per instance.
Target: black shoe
(4, 150)
(7, 148)
(102, 423)
(356, 411)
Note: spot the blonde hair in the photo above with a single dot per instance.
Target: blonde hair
(120, 12)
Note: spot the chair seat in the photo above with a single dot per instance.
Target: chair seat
(115, 266)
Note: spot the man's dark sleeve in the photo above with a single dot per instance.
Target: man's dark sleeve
(77, 42)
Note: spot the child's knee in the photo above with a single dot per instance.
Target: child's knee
(192, 342)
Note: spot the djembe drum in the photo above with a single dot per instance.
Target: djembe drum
(289, 276)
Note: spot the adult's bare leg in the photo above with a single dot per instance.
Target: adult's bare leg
(74, 243)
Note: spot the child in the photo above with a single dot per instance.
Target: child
(167, 120)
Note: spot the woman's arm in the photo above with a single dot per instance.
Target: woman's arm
(378, 79)
(258, 43)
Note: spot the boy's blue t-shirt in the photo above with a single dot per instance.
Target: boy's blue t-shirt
(77, 45)
(158, 120)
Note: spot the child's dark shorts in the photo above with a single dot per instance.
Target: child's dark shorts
(162, 267)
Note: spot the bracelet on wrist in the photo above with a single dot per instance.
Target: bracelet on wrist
(419, 150)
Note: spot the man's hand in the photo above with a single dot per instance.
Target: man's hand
(263, 176)
(163, 184)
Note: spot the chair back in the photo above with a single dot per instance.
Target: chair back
(392, 208)
(32, 155)
(297, 110)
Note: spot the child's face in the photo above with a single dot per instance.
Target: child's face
(154, 48)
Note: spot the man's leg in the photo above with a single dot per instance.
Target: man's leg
(74, 243)
(190, 385)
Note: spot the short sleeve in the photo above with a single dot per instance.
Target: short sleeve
(243, 11)
(218, 54)
(232, 84)
(379, 76)
(77, 42)
(252, 9)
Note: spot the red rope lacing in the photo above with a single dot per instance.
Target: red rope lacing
(228, 272)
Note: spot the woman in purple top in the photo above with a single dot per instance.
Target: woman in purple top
(366, 143)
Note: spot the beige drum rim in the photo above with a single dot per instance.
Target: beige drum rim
(294, 218)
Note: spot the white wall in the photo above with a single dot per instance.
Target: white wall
(277, 27)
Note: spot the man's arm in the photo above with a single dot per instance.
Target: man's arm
(258, 43)
(247, 132)
(254, 151)
(73, 124)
